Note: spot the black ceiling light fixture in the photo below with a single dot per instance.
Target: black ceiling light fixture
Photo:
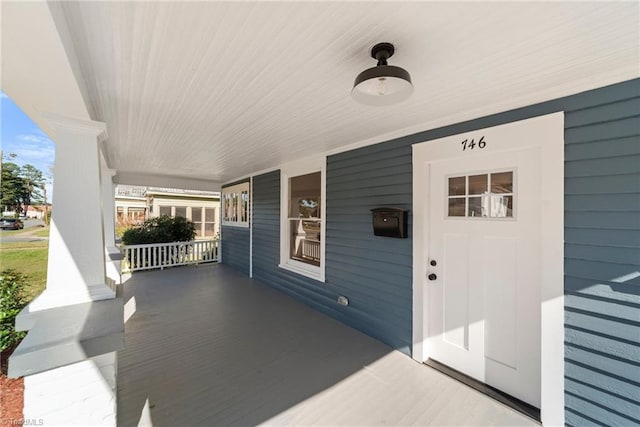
(383, 84)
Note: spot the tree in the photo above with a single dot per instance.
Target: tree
(12, 188)
(33, 183)
(162, 229)
(21, 186)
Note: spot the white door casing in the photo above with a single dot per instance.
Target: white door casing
(495, 308)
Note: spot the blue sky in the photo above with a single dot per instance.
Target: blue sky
(19, 135)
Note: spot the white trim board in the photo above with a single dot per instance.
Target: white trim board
(250, 225)
(549, 130)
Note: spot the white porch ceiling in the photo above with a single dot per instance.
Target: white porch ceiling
(215, 91)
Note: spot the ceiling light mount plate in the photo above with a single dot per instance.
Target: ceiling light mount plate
(383, 84)
(382, 51)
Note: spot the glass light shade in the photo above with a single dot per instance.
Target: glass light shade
(382, 85)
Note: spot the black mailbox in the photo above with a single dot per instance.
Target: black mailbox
(389, 222)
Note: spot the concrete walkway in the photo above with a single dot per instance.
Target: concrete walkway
(208, 346)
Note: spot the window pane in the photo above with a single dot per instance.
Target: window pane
(209, 229)
(210, 214)
(232, 212)
(165, 210)
(181, 211)
(478, 206)
(244, 208)
(307, 207)
(502, 206)
(478, 184)
(226, 207)
(502, 182)
(305, 241)
(234, 206)
(457, 186)
(223, 206)
(136, 214)
(456, 206)
(198, 226)
(304, 193)
(196, 214)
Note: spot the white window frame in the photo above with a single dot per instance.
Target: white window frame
(205, 222)
(236, 189)
(287, 172)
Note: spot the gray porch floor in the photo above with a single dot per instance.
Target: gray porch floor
(208, 346)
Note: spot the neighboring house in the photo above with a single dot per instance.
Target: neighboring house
(134, 204)
(200, 207)
(37, 211)
(32, 211)
(130, 204)
(514, 166)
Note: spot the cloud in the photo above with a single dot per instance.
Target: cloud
(30, 154)
(35, 138)
(34, 147)
(3, 95)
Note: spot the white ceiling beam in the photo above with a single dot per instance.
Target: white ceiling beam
(36, 73)
(149, 180)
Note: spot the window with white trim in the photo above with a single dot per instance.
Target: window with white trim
(302, 221)
(235, 205)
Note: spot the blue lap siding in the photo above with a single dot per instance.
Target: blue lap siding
(351, 266)
(266, 251)
(602, 245)
(235, 248)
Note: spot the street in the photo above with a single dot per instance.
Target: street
(30, 227)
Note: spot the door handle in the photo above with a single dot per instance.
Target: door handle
(432, 276)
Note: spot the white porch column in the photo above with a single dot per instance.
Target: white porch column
(76, 268)
(111, 251)
(68, 357)
(108, 207)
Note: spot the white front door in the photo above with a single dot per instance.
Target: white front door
(483, 291)
(482, 250)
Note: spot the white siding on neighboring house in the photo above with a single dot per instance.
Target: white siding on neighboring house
(203, 212)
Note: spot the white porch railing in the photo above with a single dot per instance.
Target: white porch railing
(311, 249)
(160, 255)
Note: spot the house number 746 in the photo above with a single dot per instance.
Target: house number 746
(472, 144)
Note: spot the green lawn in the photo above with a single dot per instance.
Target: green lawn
(29, 258)
(14, 232)
(44, 232)
(41, 232)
